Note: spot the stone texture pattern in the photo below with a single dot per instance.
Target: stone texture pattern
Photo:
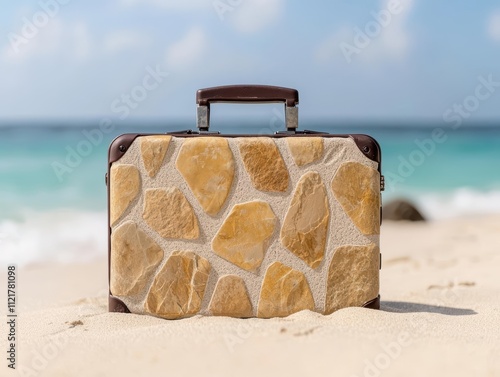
(284, 291)
(305, 150)
(353, 277)
(125, 183)
(242, 238)
(153, 150)
(168, 212)
(207, 165)
(230, 298)
(357, 188)
(259, 226)
(305, 226)
(264, 164)
(134, 259)
(178, 288)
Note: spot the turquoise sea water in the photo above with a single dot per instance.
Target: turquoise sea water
(460, 176)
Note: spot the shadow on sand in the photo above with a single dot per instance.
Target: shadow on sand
(413, 307)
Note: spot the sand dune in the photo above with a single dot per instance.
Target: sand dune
(440, 316)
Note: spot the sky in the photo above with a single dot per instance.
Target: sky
(386, 60)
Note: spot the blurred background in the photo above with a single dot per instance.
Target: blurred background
(422, 77)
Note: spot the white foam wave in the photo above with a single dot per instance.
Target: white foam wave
(459, 203)
(62, 236)
(75, 236)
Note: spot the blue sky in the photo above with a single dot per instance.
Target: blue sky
(86, 55)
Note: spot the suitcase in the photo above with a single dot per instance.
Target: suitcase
(243, 225)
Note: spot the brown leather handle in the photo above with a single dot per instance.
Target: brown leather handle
(247, 93)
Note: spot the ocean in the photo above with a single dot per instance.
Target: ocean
(53, 194)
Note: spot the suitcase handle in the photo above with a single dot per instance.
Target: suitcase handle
(247, 93)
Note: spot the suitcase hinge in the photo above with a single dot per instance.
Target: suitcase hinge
(191, 132)
(304, 132)
(182, 132)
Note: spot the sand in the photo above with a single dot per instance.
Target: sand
(440, 287)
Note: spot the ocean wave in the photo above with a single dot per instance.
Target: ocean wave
(77, 236)
(459, 203)
(62, 236)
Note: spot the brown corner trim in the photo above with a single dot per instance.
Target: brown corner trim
(116, 305)
(120, 146)
(369, 147)
(373, 304)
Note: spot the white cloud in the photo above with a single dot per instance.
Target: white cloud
(328, 49)
(384, 35)
(123, 40)
(251, 16)
(82, 42)
(395, 38)
(39, 42)
(55, 39)
(171, 4)
(494, 26)
(188, 50)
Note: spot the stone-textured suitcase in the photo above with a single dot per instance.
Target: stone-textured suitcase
(243, 225)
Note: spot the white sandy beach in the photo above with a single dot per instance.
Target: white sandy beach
(440, 288)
